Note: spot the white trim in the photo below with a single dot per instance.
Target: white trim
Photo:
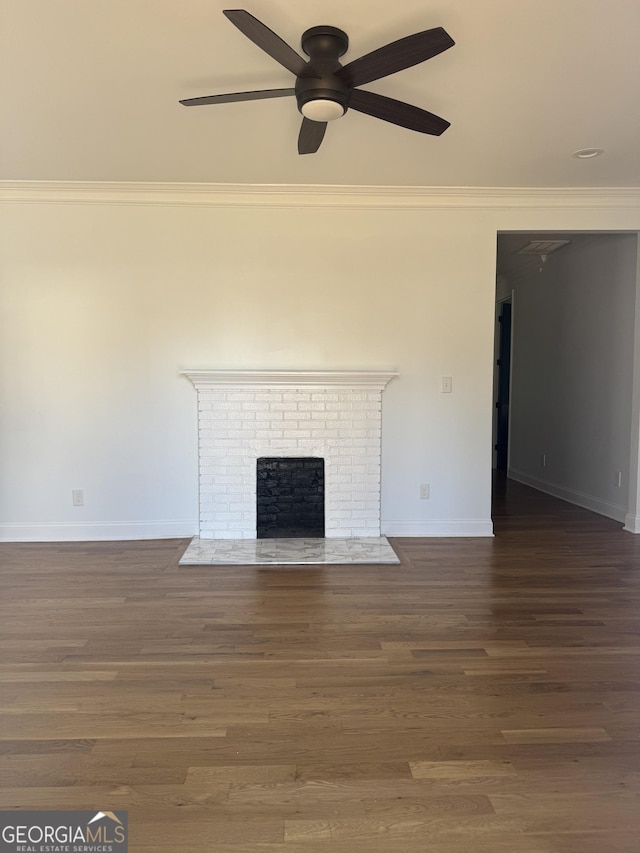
(632, 520)
(446, 527)
(632, 523)
(97, 531)
(572, 496)
(322, 196)
(260, 379)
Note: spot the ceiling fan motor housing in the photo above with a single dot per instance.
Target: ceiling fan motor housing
(324, 45)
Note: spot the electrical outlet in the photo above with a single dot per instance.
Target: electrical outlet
(424, 492)
(77, 497)
(543, 460)
(447, 385)
(618, 479)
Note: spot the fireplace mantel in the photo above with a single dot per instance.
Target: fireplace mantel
(374, 380)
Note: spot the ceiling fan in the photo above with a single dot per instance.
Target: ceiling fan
(325, 89)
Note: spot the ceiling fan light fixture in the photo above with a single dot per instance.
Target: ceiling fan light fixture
(322, 109)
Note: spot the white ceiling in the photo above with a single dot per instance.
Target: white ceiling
(89, 92)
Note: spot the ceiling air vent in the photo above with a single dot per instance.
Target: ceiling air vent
(542, 247)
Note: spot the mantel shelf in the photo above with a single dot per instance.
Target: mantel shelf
(354, 379)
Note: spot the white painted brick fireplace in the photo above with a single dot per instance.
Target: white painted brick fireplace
(244, 415)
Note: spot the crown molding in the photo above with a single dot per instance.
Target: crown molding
(370, 380)
(319, 196)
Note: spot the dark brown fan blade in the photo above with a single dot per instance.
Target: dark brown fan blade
(311, 136)
(397, 112)
(232, 97)
(268, 41)
(396, 56)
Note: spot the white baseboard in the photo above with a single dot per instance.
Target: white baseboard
(473, 527)
(123, 530)
(632, 523)
(97, 531)
(572, 496)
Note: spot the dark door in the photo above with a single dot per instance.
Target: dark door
(504, 375)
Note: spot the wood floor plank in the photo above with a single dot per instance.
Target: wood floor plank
(460, 770)
(553, 734)
(481, 697)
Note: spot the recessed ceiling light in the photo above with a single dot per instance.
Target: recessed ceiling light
(588, 153)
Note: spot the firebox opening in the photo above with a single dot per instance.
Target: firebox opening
(290, 497)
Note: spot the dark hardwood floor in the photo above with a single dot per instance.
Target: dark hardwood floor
(483, 697)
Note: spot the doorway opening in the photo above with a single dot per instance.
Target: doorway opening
(564, 366)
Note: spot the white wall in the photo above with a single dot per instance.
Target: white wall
(572, 372)
(104, 303)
